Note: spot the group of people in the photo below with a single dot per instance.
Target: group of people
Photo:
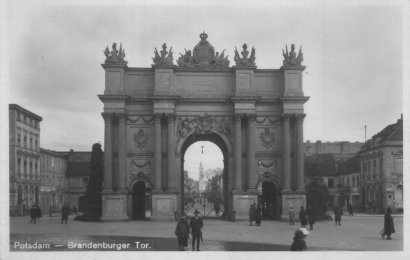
(306, 216)
(183, 230)
(35, 212)
(255, 214)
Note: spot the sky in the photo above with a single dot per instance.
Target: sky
(52, 55)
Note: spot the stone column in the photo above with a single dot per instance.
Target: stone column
(122, 167)
(108, 152)
(238, 153)
(300, 153)
(251, 154)
(286, 153)
(157, 153)
(171, 153)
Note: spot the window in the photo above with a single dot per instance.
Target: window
(31, 143)
(330, 183)
(25, 168)
(18, 166)
(25, 141)
(381, 167)
(19, 140)
(31, 169)
(374, 169)
(36, 169)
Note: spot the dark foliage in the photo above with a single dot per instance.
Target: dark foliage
(317, 196)
(91, 202)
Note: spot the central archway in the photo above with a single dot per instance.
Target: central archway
(222, 145)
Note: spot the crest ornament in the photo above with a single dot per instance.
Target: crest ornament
(290, 59)
(245, 61)
(140, 139)
(203, 56)
(267, 138)
(115, 56)
(163, 58)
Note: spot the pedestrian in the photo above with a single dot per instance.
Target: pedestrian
(65, 210)
(252, 212)
(182, 232)
(302, 217)
(388, 224)
(291, 216)
(38, 212)
(350, 210)
(33, 214)
(216, 208)
(196, 226)
(258, 215)
(299, 243)
(338, 215)
(310, 216)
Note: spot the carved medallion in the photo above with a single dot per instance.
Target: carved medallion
(141, 139)
(267, 138)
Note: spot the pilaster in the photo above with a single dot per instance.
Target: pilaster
(251, 154)
(286, 153)
(107, 152)
(171, 153)
(238, 153)
(157, 154)
(300, 153)
(122, 181)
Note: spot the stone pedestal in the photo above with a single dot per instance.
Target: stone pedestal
(241, 204)
(164, 206)
(114, 206)
(294, 199)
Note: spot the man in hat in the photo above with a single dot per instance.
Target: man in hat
(182, 232)
(196, 225)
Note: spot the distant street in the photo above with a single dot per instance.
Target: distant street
(360, 232)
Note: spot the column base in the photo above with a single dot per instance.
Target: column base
(164, 206)
(241, 204)
(114, 206)
(294, 199)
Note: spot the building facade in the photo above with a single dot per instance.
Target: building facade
(341, 153)
(152, 115)
(77, 175)
(381, 170)
(52, 189)
(24, 159)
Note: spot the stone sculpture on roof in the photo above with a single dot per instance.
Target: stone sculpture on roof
(203, 56)
(163, 58)
(290, 58)
(115, 56)
(245, 61)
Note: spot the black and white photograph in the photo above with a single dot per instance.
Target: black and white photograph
(204, 129)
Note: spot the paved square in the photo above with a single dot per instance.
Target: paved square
(357, 233)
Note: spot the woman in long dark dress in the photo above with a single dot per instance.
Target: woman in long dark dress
(388, 224)
(302, 217)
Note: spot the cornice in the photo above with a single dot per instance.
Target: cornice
(299, 99)
(114, 97)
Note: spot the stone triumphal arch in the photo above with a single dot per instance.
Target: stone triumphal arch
(153, 114)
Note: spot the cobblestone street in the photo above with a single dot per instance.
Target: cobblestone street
(357, 233)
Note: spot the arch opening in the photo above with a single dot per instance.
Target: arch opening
(269, 199)
(141, 201)
(204, 175)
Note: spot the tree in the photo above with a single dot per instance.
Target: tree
(317, 196)
(214, 186)
(191, 188)
(91, 202)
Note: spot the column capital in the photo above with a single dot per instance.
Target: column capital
(238, 116)
(107, 116)
(171, 117)
(300, 116)
(251, 116)
(157, 116)
(121, 117)
(286, 116)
